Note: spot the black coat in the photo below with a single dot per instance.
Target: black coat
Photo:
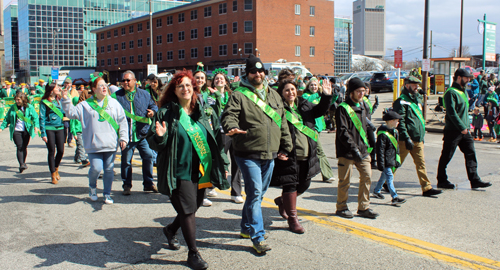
(386, 153)
(286, 172)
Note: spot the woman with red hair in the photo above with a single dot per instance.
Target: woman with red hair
(191, 156)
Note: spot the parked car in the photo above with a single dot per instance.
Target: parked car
(384, 80)
(347, 76)
(472, 71)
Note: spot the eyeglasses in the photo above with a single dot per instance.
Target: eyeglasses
(255, 71)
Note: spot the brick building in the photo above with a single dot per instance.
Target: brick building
(219, 33)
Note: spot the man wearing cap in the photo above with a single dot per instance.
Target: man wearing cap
(139, 109)
(7, 91)
(412, 131)
(353, 148)
(254, 117)
(456, 133)
(40, 88)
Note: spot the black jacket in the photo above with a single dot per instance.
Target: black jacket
(348, 138)
(286, 171)
(386, 153)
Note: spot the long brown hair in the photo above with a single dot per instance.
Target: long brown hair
(227, 89)
(48, 91)
(23, 97)
(170, 95)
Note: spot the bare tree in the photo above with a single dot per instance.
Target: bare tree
(364, 65)
(386, 66)
(465, 51)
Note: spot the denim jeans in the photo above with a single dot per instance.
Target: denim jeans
(98, 162)
(257, 176)
(386, 175)
(147, 163)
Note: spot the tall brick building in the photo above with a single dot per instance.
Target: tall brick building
(219, 33)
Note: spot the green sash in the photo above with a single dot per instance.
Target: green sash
(395, 143)
(414, 108)
(137, 118)
(462, 94)
(53, 108)
(357, 123)
(365, 99)
(103, 115)
(301, 127)
(200, 144)
(261, 104)
(21, 115)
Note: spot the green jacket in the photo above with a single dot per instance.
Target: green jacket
(483, 85)
(3, 93)
(40, 90)
(167, 147)
(49, 119)
(264, 138)
(75, 126)
(457, 115)
(410, 125)
(11, 119)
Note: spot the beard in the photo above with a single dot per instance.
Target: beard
(256, 81)
(463, 83)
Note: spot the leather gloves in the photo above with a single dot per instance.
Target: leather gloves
(409, 144)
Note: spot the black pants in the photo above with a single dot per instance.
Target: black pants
(21, 139)
(304, 182)
(235, 170)
(68, 136)
(55, 139)
(465, 142)
(478, 130)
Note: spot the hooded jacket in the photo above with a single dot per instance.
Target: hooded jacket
(386, 153)
(410, 125)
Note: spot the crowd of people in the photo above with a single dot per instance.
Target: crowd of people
(271, 132)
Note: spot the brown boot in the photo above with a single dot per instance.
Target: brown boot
(279, 202)
(54, 178)
(57, 173)
(289, 203)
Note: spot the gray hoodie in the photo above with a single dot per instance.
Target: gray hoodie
(98, 136)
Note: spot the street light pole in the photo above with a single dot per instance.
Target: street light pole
(150, 32)
(424, 72)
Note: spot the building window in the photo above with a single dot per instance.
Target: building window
(222, 50)
(102, 62)
(235, 27)
(139, 43)
(222, 29)
(109, 34)
(207, 11)
(102, 35)
(170, 55)
(123, 45)
(131, 29)
(208, 51)
(235, 5)
(170, 38)
(194, 33)
(297, 50)
(248, 5)
(170, 20)
(249, 48)
(109, 62)
(148, 42)
(297, 30)
(312, 10)
(181, 54)
(131, 59)
(124, 60)
(116, 61)
(222, 8)
(208, 31)
(159, 40)
(297, 9)
(97, 36)
(194, 15)
(159, 57)
(248, 26)
(116, 32)
(123, 31)
(131, 44)
(194, 52)
(116, 46)
(139, 58)
(312, 51)
(181, 35)
(109, 48)
(312, 31)
(148, 58)
(181, 17)
(235, 48)
(139, 27)
(158, 22)
(147, 25)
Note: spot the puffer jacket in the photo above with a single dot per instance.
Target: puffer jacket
(410, 125)
(386, 153)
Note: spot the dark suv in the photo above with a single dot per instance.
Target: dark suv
(384, 80)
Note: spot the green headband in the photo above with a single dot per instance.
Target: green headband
(220, 71)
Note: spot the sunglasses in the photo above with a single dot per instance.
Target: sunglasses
(126, 80)
(256, 70)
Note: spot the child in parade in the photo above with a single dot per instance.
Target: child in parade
(477, 122)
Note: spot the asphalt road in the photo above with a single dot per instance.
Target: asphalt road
(57, 226)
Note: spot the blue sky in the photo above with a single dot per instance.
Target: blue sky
(405, 24)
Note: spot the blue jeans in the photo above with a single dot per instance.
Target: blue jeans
(147, 163)
(257, 176)
(389, 177)
(98, 162)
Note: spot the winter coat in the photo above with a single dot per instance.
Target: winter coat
(410, 125)
(49, 119)
(286, 172)
(457, 115)
(386, 153)
(477, 120)
(167, 146)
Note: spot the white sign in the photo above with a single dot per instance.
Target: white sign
(152, 69)
(426, 64)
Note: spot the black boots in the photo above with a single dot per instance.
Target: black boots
(289, 203)
(195, 261)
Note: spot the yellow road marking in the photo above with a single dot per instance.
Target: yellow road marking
(448, 255)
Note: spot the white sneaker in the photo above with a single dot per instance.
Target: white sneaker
(207, 202)
(108, 200)
(93, 194)
(212, 193)
(237, 199)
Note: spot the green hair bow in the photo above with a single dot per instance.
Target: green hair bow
(94, 77)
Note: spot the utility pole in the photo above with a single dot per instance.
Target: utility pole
(150, 33)
(461, 28)
(424, 73)
(349, 47)
(430, 48)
